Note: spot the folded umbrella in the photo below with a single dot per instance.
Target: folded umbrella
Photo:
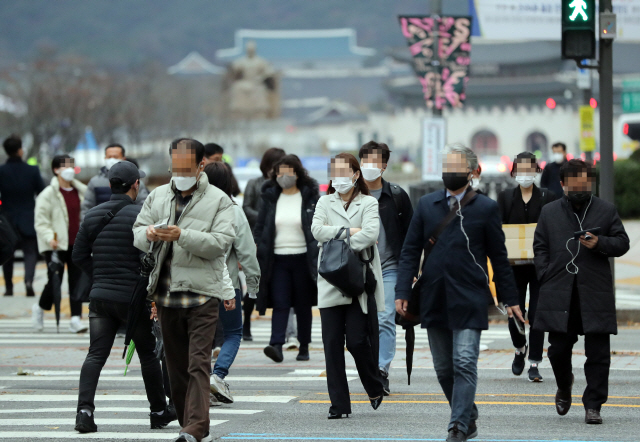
(410, 339)
(55, 269)
(129, 350)
(138, 300)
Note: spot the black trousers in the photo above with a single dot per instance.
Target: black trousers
(29, 247)
(291, 286)
(337, 323)
(46, 299)
(104, 319)
(525, 275)
(596, 368)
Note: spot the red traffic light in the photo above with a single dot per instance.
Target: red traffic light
(625, 129)
(551, 103)
(593, 102)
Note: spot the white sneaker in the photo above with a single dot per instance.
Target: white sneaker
(75, 326)
(37, 317)
(213, 402)
(220, 389)
(292, 344)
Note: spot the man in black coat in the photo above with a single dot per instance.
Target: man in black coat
(19, 185)
(577, 292)
(550, 178)
(455, 291)
(396, 212)
(114, 264)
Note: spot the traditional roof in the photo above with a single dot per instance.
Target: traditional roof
(287, 46)
(194, 63)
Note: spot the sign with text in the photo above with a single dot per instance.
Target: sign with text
(587, 131)
(541, 19)
(444, 73)
(433, 142)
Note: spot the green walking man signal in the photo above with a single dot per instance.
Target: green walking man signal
(578, 29)
(579, 7)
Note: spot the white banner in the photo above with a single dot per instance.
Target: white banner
(433, 142)
(540, 19)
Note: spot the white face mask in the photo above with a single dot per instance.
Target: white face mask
(183, 183)
(558, 157)
(110, 162)
(370, 172)
(67, 174)
(342, 184)
(525, 181)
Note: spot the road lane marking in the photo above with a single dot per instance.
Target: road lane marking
(74, 410)
(99, 421)
(14, 397)
(477, 402)
(27, 435)
(491, 395)
(283, 378)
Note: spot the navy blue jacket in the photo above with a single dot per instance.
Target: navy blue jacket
(19, 185)
(455, 291)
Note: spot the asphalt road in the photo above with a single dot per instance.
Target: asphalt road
(289, 402)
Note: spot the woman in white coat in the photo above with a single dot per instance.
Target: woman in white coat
(348, 204)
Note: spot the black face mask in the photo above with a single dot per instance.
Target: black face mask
(455, 180)
(579, 197)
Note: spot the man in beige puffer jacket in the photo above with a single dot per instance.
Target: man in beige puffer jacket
(190, 270)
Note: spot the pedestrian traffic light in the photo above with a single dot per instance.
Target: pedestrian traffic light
(578, 29)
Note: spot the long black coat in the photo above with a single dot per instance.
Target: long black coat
(112, 260)
(455, 291)
(19, 185)
(265, 234)
(594, 280)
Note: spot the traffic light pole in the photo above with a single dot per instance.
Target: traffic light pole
(606, 112)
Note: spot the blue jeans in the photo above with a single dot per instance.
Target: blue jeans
(387, 321)
(455, 359)
(232, 326)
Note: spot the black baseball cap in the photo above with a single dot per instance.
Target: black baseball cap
(125, 173)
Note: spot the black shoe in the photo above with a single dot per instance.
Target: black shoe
(563, 399)
(518, 362)
(274, 352)
(336, 416)
(247, 337)
(385, 383)
(29, 288)
(593, 417)
(472, 430)
(456, 435)
(375, 403)
(85, 423)
(303, 353)
(534, 374)
(8, 292)
(159, 421)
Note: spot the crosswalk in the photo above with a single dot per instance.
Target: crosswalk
(20, 332)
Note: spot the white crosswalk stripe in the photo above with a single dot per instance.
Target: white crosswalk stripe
(20, 332)
(118, 416)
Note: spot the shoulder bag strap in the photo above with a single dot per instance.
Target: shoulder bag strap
(445, 222)
(106, 219)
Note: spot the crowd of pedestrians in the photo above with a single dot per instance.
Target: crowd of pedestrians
(361, 254)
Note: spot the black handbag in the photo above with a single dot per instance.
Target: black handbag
(341, 267)
(9, 239)
(412, 315)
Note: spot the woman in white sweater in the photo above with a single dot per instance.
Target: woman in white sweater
(348, 204)
(287, 253)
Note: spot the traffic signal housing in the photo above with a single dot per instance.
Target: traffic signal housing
(578, 29)
(632, 130)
